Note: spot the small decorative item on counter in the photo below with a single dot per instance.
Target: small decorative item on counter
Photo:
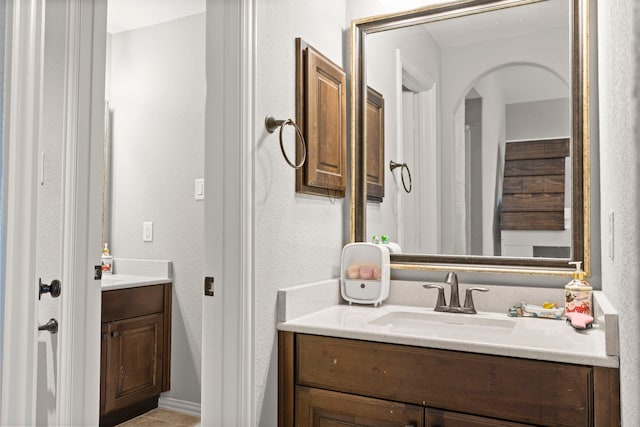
(365, 273)
(393, 247)
(578, 292)
(580, 320)
(107, 260)
(546, 311)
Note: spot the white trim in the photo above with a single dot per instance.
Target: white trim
(79, 359)
(248, 40)
(181, 406)
(228, 342)
(24, 76)
(425, 161)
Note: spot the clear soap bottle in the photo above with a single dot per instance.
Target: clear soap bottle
(578, 292)
(107, 260)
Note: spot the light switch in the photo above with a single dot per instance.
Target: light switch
(147, 231)
(199, 191)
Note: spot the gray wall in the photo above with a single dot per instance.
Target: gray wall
(524, 119)
(298, 238)
(619, 74)
(157, 94)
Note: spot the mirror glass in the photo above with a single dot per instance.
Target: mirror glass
(479, 103)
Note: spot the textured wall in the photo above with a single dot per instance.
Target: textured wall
(298, 238)
(157, 98)
(619, 180)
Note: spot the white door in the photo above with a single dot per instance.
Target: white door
(227, 314)
(52, 162)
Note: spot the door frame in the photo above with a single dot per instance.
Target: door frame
(426, 168)
(228, 382)
(78, 390)
(22, 105)
(78, 363)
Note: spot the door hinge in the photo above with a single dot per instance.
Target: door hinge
(208, 286)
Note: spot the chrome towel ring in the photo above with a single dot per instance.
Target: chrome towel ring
(272, 124)
(403, 167)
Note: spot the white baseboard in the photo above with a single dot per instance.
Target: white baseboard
(177, 405)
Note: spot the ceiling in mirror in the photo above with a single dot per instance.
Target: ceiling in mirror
(479, 104)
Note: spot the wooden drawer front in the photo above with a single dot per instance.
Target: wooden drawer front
(438, 418)
(322, 408)
(545, 393)
(132, 302)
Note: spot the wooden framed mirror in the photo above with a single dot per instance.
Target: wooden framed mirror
(461, 82)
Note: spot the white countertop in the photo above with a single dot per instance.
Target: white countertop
(122, 281)
(531, 338)
(132, 273)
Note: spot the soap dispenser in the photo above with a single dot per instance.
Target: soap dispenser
(107, 260)
(578, 292)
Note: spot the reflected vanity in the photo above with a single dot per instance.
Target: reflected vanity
(487, 101)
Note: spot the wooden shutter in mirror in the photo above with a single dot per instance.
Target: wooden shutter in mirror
(321, 89)
(375, 145)
(534, 185)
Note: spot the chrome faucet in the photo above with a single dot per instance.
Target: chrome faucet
(454, 302)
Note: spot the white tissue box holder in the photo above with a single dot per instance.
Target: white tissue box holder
(365, 291)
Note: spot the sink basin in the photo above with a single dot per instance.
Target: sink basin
(444, 325)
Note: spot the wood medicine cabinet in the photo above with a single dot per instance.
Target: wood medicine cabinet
(321, 98)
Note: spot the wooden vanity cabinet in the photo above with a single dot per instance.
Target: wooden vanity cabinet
(336, 381)
(135, 351)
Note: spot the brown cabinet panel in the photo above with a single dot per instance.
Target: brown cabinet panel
(322, 408)
(522, 390)
(438, 418)
(134, 360)
(126, 303)
(135, 357)
(375, 144)
(321, 102)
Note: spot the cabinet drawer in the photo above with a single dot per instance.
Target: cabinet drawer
(529, 391)
(132, 302)
(327, 408)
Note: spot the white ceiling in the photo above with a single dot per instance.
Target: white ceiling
(501, 24)
(125, 15)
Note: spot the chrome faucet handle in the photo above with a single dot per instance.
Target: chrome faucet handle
(452, 279)
(441, 304)
(468, 299)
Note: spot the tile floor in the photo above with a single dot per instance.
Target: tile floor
(162, 418)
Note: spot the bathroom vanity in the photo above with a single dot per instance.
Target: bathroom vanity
(135, 358)
(354, 382)
(408, 365)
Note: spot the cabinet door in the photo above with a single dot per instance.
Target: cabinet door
(134, 360)
(322, 408)
(438, 418)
